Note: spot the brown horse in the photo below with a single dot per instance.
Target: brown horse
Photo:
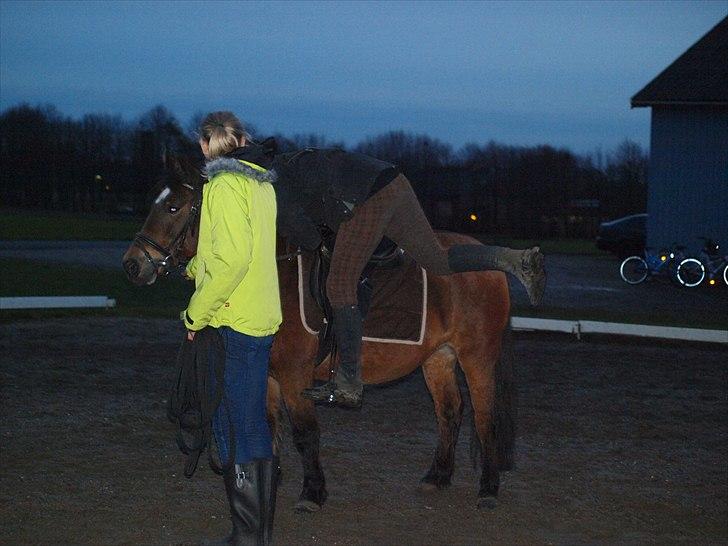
(467, 317)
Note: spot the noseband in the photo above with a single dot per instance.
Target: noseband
(141, 241)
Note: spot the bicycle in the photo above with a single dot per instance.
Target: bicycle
(691, 272)
(636, 269)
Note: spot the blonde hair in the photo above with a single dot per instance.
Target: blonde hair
(223, 132)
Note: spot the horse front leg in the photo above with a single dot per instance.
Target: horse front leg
(439, 372)
(305, 429)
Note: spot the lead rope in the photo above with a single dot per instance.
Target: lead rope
(192, 404)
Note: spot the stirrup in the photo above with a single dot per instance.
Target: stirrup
(320, 393)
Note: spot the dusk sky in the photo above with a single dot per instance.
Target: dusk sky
(522, 73)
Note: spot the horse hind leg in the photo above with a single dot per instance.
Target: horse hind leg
(439, 372)
(479, 369)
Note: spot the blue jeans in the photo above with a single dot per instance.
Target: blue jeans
(244, 404)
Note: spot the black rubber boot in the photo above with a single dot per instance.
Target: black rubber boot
(526, 265)
(250, 491)
(346, 389)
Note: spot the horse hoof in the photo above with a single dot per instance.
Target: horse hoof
(427, 487)
(307, 507)
(487, 503)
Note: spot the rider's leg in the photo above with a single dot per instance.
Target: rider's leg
(348, 328)
(410, 229)
(356, 241)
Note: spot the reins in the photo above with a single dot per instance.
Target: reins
(195, 397)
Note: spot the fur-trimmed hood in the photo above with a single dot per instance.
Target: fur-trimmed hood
(230, 165)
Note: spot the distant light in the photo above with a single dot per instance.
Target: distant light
(97, 178)
(473, 217)
(663, 258)
(712, 281)
(107, 187)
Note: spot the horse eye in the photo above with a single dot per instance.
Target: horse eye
(172, 210)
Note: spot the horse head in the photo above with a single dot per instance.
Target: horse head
(169, 234)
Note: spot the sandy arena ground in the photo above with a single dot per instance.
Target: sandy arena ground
(620, 442)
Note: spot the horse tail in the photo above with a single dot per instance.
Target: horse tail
(506, 404)
(275, 414)
(504, 411)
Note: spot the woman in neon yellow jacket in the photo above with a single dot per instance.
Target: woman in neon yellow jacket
(236, 279)
(236, 292)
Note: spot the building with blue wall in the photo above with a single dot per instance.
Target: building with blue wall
(688, 170)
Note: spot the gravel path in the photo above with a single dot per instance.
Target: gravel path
(620, 442)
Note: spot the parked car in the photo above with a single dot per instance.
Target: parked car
(623, 236)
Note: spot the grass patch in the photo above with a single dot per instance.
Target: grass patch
(47, 226)
(39, 226)
(165, 298)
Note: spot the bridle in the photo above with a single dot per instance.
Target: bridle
(141, 241)
(169, 254)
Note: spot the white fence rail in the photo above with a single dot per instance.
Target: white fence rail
(56, 302)
(578, 327)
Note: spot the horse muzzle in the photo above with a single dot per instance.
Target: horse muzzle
(137, 270)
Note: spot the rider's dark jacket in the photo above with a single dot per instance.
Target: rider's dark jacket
(317, 188)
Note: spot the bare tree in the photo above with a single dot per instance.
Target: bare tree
(626, 173)
(410, 152)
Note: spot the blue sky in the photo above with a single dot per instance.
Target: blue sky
(558, 73)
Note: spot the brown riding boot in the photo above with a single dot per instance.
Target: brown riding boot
(526, 265)
(532, 274)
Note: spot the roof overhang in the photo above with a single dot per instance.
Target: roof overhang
(698, 77)
(642, 104)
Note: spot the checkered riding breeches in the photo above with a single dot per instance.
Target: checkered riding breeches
(392, 212)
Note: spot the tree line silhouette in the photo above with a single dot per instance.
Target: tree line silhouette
(105, 164)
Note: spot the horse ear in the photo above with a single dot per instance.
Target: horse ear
(184, 171)
(189, 166)
(171, 162)
(173, 166)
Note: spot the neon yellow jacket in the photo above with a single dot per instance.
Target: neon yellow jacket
(235, 272)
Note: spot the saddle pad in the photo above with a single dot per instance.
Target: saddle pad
(398, 311)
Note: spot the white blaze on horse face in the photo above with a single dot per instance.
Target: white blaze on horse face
(162, 196)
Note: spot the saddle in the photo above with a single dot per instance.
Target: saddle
(387, 255)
